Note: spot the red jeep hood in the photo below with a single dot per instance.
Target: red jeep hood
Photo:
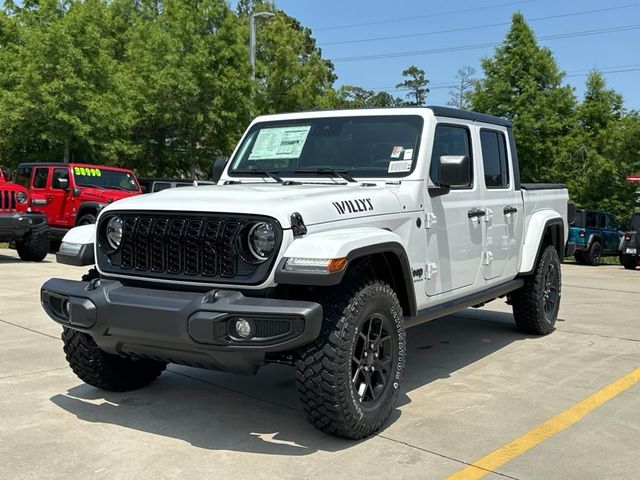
(105, 196)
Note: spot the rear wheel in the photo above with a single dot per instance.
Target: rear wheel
(348, 379)
(536, 304)
(594, 255)
(103, 370)
(35, 246)
(629, 262)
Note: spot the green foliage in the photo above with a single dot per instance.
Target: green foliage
(350, 96)
(416, 83)
(523, 83)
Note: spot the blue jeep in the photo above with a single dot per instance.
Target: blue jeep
(593, 235)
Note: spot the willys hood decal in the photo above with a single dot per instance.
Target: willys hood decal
(317, 203)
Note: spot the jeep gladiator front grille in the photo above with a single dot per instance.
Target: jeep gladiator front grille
(7, 201)
(188, 247)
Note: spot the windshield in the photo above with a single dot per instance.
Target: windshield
(105, 178)
(374, 146)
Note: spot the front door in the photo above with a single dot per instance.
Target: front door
(453, 234)
(61, 197)
(502, 204)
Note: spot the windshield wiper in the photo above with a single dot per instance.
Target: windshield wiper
(260, 171)
(344, 174)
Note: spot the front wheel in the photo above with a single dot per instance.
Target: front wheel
(348, 379)
(87, 219)
(537, 302)
(35, 246)
(100, 369)
(594, 254)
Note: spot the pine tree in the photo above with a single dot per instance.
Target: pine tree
(416, 83)
(523, 83)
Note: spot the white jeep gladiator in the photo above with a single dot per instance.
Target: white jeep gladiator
(327, 236)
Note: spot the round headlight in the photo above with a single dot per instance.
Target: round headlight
(21, 198)
(114, 232)
(262, 240)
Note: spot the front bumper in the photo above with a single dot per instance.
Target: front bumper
(190, 328)
(16, 225)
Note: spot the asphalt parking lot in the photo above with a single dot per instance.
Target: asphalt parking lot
(472, 385)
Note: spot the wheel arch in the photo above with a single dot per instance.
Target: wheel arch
(381, 251)
(545, 228)
(89, 207)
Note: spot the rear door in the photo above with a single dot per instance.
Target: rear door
(502, 204)
(454, 240)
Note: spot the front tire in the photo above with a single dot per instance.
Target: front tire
(594, 254)
(537, 302)
(87, 219)
(348, 379)
(103, 370)
(35, 246)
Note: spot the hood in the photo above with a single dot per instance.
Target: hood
(317, 203)
(104, 196)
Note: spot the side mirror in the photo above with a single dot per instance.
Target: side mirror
(218, 168)
(63, 183)
(455, 170)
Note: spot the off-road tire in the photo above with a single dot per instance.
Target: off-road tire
(594, 254)
(103, 370)
(87, 219)
(629, 262)
(35, 246)
(529, 300)
(325, 366)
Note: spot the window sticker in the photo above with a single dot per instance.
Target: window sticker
(400, 166)
(408, 154)
(87, 172)
(277, 143)
(396, 152)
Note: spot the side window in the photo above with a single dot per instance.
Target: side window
(59, 173)
(23, 176)
(592, 220)
(40, 178)
(611, 222)
(602, 220)
(449, 140)
(494, 159)
(159, 186)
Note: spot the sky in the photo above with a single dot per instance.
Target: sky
(582, 35)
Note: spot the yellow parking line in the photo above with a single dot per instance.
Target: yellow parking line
(546, 430)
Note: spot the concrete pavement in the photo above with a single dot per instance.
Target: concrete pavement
(472, 383)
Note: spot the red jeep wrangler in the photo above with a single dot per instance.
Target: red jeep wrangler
(73, 194)
(19, 224)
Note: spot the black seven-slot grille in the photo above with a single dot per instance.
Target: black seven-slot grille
(189, 247)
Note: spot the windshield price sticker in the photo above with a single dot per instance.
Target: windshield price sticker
(400, 166)
(277, 143)
(87, 172)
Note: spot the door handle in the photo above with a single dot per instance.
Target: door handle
(509, 210)
(476, 212)
(49, 198)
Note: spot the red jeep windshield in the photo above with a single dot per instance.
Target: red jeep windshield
(105, 178)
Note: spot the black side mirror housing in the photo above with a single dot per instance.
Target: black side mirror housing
(218, 168)
(455, 171)
(63, 183)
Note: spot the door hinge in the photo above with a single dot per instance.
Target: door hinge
(488, 258)
(432, 269)
(488, 215)
(430, 220)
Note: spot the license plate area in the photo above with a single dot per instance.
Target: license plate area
(631, 251)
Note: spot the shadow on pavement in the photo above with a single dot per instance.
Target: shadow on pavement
(261, 414)
(7, 259)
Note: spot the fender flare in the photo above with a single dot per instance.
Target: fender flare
(592, 238)
(354, 244)
(539, 222)
(97, 206)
